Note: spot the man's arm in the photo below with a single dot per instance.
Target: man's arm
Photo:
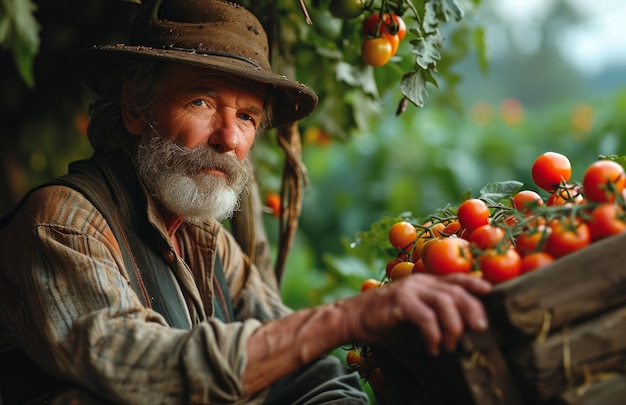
(439, 308)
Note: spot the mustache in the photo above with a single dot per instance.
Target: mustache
(194, 161)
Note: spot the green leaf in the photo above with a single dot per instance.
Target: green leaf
(619, 159)
(426, 50)
(494, 193)
(19, 32)
(356, 77)
(481, 48)
(413, 87)
(452, 8)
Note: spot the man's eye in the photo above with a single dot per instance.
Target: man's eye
(198, 102)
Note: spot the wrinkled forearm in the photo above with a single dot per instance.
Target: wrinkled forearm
(281, 346)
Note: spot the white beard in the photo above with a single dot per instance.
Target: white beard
(176, 177)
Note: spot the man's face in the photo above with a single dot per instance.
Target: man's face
(193, 155)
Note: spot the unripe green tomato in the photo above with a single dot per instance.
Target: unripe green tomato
(346, 9)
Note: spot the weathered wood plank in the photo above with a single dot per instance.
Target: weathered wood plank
(568, 357)
(609, 389)
(486, 371)
(572, 288)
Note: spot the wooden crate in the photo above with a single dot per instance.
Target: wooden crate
(557, 336)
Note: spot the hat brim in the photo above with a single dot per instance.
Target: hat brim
(293, 100)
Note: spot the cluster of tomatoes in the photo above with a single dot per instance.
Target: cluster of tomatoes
(382, 35)
(520, 234)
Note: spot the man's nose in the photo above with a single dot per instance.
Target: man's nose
(225, 137)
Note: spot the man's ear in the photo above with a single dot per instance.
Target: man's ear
(133, 121)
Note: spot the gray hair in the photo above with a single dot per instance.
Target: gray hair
(106, 130)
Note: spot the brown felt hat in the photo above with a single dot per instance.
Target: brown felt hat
(215, 34)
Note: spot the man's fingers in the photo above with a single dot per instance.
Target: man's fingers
(473, 284)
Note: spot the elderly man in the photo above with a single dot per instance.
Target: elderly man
(128, 290)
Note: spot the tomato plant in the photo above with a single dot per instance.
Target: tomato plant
(551, 169)
(473, 213)
(447, 255)
(603, 180)
(499, 266)
(376, 51)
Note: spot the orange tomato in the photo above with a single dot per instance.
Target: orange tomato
(535, 260)
(402, 235)
(446, 255)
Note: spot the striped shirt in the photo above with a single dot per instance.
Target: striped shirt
(67, 302)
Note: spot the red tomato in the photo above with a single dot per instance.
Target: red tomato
(453, 228)
(535, 260)
(526, 201)
(437, 229)
(551, 169)
(602, 180)
(532, 240)
(473, 213)
(419, 267)
(486, 236)
(606, 220)
(497, 267)
(566, 194)
(402, 235)
(376, 51)
(392, 24)
(447, 255)
(353, 357)
(567, 237)
(273, 201)
(391, 264)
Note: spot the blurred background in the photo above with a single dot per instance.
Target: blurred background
(519, 77)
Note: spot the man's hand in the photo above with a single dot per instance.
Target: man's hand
(440, 307)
